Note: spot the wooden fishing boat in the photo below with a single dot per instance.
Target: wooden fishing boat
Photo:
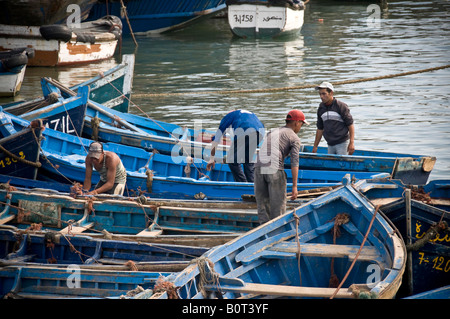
(427, 234)
(162, 175)
(186, 228)
(20, 145)
(59, 44)
(66, 115)
(140, 216)
(152, 16)
(46, 282)
(13, 64)
(19, 150)
(130, 129)
(337, 240)
(265, 18)
(439, 293)
(119, 215)
(109, 125)
(409, 168)
(435, 193)
(30, 182)
(112, 88)
(28, 248)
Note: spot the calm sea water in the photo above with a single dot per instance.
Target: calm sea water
(339, 41)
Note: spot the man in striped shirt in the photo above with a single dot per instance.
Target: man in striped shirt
(334, 123)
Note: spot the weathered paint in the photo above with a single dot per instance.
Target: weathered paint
(54, 52)
(311, 223)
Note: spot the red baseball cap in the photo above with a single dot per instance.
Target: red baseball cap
(296, 115)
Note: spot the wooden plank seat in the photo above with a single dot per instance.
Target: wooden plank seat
(283, 290)
(290, 249)
(236, 285)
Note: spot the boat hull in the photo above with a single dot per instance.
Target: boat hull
(23, 154)
(409, 168)
(153, 17)
(429, 261)
(11, 82)
(56, 248)
(112, 88)
(297, 254)
(40, 282)
(262, 21)
(140, 215)
(54, 52)
(41, 12)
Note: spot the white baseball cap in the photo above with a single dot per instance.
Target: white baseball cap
(325, 85)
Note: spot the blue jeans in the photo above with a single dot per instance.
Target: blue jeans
(242, 154)
(339, 149)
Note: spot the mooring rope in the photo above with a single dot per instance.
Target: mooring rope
(358, 253)
(289, 88)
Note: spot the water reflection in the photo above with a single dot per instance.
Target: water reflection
(404, 114)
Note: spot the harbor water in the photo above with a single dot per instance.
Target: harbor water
(340, 40)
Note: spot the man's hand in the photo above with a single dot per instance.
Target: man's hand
(351, 148)
(294, 193)
(210, 164)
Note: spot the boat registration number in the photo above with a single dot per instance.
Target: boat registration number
(243, 18)
(8, 160)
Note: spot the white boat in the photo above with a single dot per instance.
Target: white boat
(13, 64)
(265, 18)
(57, 44)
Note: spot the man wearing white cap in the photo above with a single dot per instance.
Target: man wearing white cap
(270, 177)
(113, 175)
(334, 123)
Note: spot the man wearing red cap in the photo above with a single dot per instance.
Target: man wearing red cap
(270, 177)
(334, 123)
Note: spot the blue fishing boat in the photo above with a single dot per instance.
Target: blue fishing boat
(162, 175)
(439, 293)
(335, 246)
(118, 215)
(409, 168)
(109, 125)
(40, 282)
(30, 183)
(426, 232)
(140, 216)
(66, 115)
(18, 248)
(435, 193)
(152, 16)
(130, 129)
(157, 221)
(112, 88)
(19, 150)
(41, 12)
